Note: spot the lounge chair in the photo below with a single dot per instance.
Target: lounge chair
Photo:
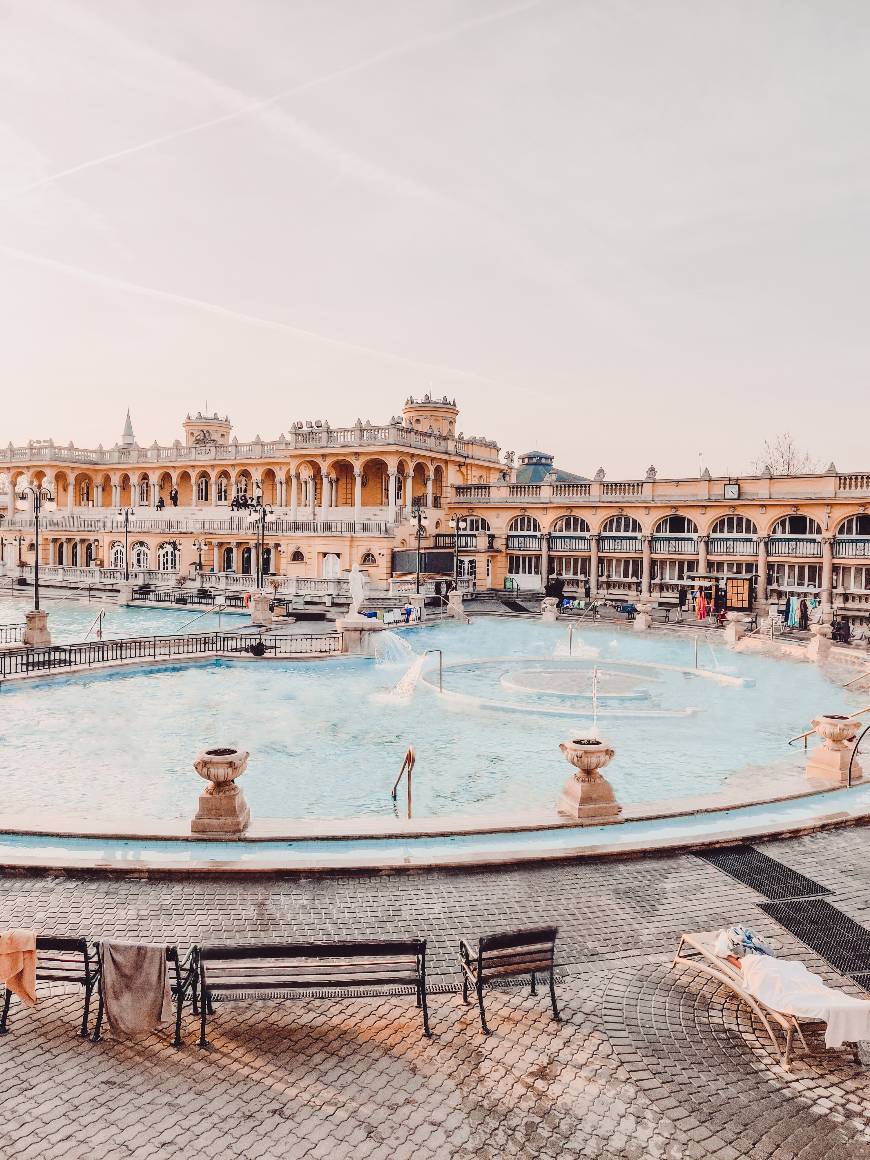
(698, 951)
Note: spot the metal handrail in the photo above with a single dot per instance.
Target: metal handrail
(849, 716)
(440, 670)
(852, 755)
(98, 621)
(855, 680)
(408, 764)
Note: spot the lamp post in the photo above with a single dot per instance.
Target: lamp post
(126, 513)
(40, 497)
(420, 532)
(199, 546)
(260, 522)
(459, 524)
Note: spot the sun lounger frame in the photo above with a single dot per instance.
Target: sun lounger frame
(702, 957)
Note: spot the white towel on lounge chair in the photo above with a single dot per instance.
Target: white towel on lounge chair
(787, 986)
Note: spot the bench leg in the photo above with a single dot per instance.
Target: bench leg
(534, 984)
(84, 1029)
(486, 1030)
(95, 1038)
(3, 1027)
(556, 1014)
(465, 998)
(179, 1003)
(425, 1006)
(204, 1005)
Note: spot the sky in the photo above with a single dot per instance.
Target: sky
(628, 232)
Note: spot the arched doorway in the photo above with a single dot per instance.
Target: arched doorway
(331, 566)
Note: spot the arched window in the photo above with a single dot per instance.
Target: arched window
(85, 492)
(676, 526)
(89, 555)
(246, 560)
(202, 489)
(74, 555)
(222, 489)
(61, 553)
(621, 526)
(796, 526)
(266, 563)
(242, 485)
(524, 524)
(573, 525)
(116, 556)
(298, 556)
(229, 565)
(143, 490)
(140, 555)
(734, 526)
(855, 526)
(368, 559)
(168, 557)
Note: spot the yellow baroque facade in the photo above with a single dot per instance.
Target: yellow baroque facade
(323, 499)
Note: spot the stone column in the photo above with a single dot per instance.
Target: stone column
(593, 564)
(357, 495)
(216, 562)
(827, 574)
(407, 492)
(702, 553)
(761, 585)
(646, 567)
(312, 496)
(545, 560)
(391, 500)
(430, 483)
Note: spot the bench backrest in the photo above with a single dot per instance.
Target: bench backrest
(518, 952)
(65, 960)
(400, 960)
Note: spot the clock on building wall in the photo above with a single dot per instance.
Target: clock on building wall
(732, 491)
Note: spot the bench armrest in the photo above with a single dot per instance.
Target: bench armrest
(465, 952)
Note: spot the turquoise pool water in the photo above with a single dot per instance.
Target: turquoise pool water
(327, 738)
(71, 621)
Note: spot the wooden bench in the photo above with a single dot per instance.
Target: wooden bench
(499, 956)
(63, 960)
(264, 971)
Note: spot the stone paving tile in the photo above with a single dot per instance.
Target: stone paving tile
(648, 1061)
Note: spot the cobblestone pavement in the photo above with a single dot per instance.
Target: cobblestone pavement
(648, 1061)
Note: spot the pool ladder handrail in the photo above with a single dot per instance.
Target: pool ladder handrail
(805, 736)
(99, 621)
(408, 763)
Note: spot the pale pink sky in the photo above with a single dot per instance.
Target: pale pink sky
(626, 232)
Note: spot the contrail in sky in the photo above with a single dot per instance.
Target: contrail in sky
(267, 102)
(236, 315)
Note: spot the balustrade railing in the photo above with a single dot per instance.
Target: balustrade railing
(524, 490)
(851, 547)
(467, 540)
(794, 546)
(91, 653)
(472, 491)
(235, 525)
(733, 546)
(11, 633)
(623, 489)
(523, 542)
(629, 544)
(675, 545)
(566, 543)
(571, 490)
(298, 439)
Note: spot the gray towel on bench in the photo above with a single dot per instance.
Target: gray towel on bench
(135, 987)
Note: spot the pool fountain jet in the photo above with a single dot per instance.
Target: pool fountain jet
(588, 797)
(356, 630)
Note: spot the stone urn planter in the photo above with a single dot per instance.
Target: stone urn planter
(588, 797)
(643, 617)
(223, 811)
(829, 762)
(819, 648)
(549, 608)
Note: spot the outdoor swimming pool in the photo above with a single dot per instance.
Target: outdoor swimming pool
(327, 738)
(72, 621)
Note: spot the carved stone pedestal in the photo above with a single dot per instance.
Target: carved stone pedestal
(223, 812)
(454, 606)
(358, 634)
(735, 629)
(829, 762)
(36, 634)
(549, 608)
(588, 797)
(819, 648)
(261, 616)
(643, 618)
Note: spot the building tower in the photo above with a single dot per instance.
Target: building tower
(128, 439)
(202, 430)
(436, 416)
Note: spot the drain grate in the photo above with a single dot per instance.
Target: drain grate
(761, 873)
(841, 941)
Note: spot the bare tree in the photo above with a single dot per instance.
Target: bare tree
(782, 456)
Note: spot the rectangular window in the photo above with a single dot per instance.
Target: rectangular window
(524, 565)
(569, 566)
(795, 577)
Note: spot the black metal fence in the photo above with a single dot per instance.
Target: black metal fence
(85, 655)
